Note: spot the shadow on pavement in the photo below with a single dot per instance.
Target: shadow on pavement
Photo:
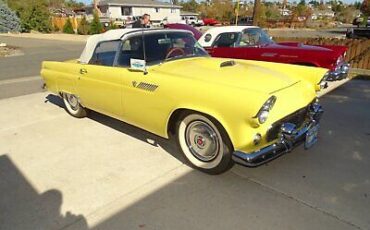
(323, 188)
(168, 145)
(21, 207)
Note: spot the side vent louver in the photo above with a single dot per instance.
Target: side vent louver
(147, 87)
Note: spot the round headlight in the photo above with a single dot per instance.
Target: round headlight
(262, 116)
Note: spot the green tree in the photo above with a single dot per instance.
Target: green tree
(346, 15)
(112, 26)
(191, 6)
(96, 27)
(36, 17)
(9, 21)
(365, 7)
(357, 5)
(34, 14)
(83, 27)
(272, 12)
(73, 4)
(68, 28)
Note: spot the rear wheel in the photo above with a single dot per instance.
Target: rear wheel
(73, 106)
(204, 143)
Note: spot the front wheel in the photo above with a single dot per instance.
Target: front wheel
(73, 106)
(204, 143)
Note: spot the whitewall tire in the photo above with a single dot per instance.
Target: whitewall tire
(73, 106)
(204, 143)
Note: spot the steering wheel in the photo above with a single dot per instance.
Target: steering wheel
(172, 50)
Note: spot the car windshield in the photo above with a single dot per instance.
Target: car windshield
(254, 37)
(162, 47)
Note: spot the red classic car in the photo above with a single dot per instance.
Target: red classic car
(252, 43)
(210, 22)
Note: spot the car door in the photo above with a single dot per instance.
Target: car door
(141, 89)
(224, 44)
(100, 83)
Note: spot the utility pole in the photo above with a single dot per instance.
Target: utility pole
(237, 12)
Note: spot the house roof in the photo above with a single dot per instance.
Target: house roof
(142, 3)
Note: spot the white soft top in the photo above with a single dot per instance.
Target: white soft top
(110, 35)
(93, 40)
(221, 29)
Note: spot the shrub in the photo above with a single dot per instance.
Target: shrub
(35, 17)
(9, 21)
(112, 26)
(83, 27)
(96, 27)
(68, 28)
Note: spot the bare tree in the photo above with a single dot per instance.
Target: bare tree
(256, 12)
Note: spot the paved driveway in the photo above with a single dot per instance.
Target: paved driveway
(58, 172)
(18, 74)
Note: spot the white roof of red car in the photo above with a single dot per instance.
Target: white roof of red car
(220, 29)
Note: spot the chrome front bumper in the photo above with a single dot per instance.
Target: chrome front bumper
(289, 137)
(340, 72)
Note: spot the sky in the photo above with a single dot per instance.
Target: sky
(345, 1)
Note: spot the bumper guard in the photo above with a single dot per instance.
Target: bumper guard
(340, 72)
(290, 136)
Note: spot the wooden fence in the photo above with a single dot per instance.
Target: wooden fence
(358, 53)
(59, 22)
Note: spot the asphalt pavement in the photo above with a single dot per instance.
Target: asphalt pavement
(19, 75)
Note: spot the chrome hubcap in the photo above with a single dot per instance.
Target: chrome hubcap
(72, 101)
(202, 141)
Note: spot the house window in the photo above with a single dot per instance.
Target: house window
(157, 10)
(126, 11)
(173, 10)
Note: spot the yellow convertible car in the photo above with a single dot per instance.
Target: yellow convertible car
(220, 111)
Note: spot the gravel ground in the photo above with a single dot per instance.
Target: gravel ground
(9, 51)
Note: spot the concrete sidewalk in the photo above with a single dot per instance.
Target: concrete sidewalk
(58, 172)
(51, 36)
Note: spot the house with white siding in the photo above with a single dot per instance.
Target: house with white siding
(128, 9)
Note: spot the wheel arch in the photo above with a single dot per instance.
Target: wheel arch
(179, 112)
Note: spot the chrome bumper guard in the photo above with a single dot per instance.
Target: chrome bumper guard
(290, 136)
(340, 72)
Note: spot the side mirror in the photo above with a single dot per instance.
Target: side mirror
(138, 65)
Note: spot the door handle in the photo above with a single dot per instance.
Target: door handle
(83, 71)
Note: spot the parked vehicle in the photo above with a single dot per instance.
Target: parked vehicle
(210, 22)
(176, 20)
(358, 32)
(360, 21)
(252, 43)
(192, 20)
(243, 21)
(219, 111)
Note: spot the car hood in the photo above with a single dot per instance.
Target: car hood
(242, 75)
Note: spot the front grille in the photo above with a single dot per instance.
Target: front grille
(296, 118)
